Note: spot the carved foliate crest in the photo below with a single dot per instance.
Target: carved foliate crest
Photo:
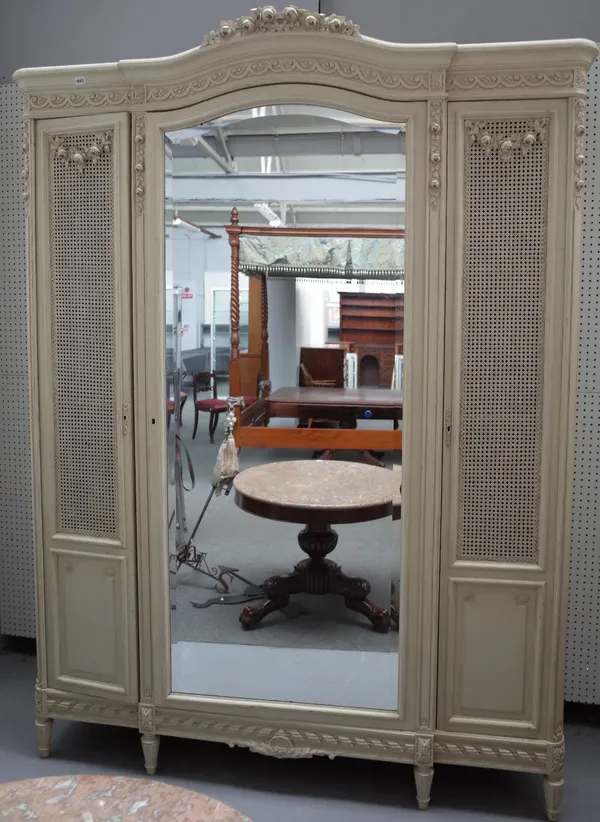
(267, 19)
(281, 746)
(509, 145)
(82, 156)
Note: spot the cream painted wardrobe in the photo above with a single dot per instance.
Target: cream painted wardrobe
(494, 197)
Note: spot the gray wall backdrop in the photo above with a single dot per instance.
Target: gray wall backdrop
(55, 32)
(59, 32)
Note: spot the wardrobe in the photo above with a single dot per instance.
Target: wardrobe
(494, 153)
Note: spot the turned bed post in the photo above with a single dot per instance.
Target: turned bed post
(235, 387)
(264, 321)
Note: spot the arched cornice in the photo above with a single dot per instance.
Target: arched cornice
(268, 47)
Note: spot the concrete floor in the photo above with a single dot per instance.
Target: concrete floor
(270, 790)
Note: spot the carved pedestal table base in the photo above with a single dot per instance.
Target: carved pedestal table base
(318, 494)
(317, 575)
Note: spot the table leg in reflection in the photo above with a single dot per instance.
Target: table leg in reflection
(317, 575)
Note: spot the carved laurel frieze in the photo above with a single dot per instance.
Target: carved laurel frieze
(290, 743)
(92, 710)
(509, 753)
(84, 155)
(266, 19)
(507, 146)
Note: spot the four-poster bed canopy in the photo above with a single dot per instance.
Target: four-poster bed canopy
(313, 253)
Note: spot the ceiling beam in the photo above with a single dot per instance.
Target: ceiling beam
(226, 165)
(295, 145)
(291, 189)
(222, 141)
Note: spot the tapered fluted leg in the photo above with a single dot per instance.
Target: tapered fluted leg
(150, 743)
(553, 792)
(44, 735)
(423, 780)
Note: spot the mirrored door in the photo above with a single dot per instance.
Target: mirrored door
(268, 602)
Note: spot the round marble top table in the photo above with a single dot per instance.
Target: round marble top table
(318, 493)
(110, 798)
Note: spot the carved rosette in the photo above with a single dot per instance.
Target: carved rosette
(424, 750)
(81, 157)
(139, 150)
(436, 114)
(507, 146)
(579, 157)
(267, 19)
(147, 718)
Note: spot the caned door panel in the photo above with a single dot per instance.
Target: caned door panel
(503, 389)
(83, 403)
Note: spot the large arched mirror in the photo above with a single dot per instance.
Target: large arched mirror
(285, 249)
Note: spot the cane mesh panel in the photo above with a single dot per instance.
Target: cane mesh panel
(83, 336)
(502, 344)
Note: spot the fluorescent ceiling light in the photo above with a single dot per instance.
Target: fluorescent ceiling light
(268, 213)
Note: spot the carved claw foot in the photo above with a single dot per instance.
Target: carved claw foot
(44, 735)
(355, 591)
(150, 743)
(553, 792)
(423, 780)
(278, 590)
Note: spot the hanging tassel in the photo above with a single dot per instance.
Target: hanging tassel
(227, 465)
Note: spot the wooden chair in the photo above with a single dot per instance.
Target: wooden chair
(311, 383)
(171, 407)
(205, 382)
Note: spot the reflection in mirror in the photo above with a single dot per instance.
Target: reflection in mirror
(284, 279)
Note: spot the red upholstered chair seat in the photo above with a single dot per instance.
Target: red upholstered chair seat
(249, 401)
(171, 406)
(211, 404)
